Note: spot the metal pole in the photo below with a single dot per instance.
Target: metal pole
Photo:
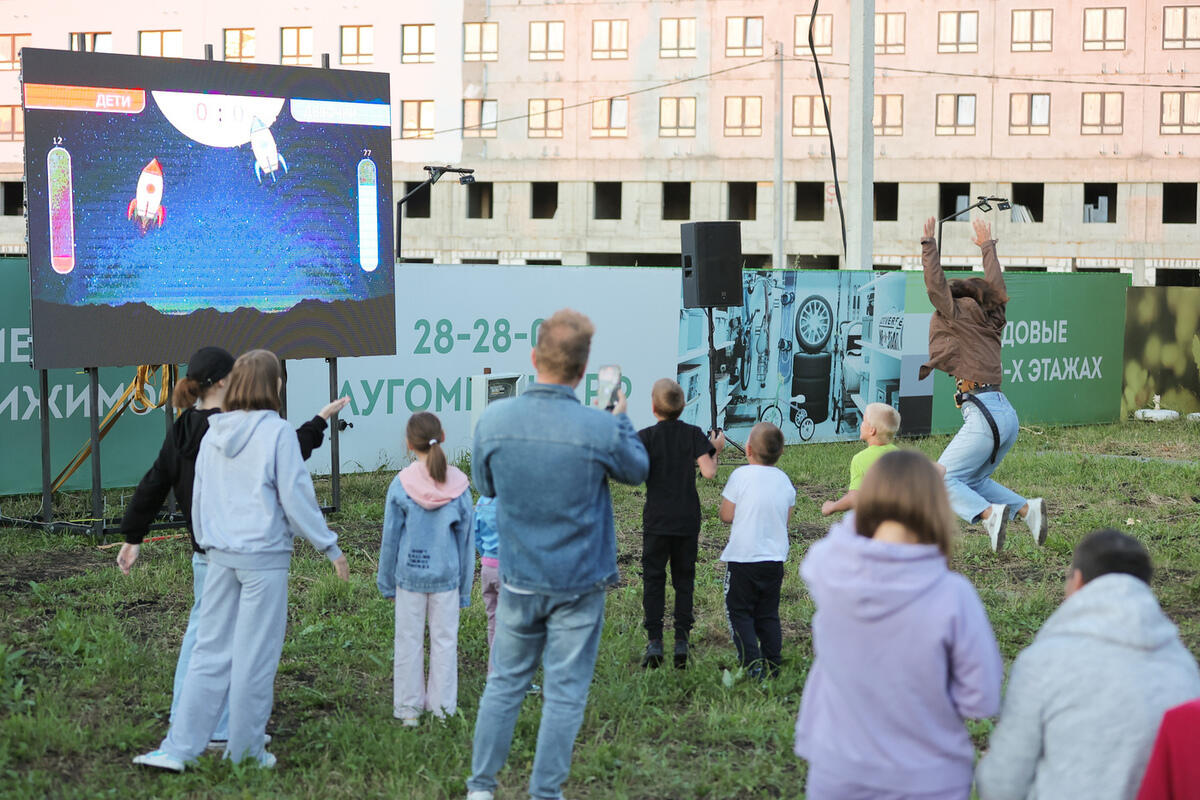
(712, 372)
(860, 243)
(94, 419)
(169, 383)
(779, 257)
(283, 389)
(44, 408)
(335, 451)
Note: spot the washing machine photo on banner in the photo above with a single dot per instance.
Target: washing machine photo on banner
(792, 354)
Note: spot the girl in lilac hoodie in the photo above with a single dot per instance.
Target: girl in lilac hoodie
(427, 564)
(904, 649)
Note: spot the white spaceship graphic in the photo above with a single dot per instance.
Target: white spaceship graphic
(267, 158)
(146, 206)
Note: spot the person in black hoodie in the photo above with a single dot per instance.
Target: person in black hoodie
(197, 397)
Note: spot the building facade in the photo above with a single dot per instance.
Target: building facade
(595, 128)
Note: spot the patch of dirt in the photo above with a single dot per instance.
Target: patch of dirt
(17, 572)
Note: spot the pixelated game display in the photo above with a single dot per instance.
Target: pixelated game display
(175, 204)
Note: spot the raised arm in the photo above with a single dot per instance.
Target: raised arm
(991, 264)
(935, 280)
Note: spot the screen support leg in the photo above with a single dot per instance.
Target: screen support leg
(283, 389)
(169, 383)
(335, 460)
(44, 407)
(94, 418)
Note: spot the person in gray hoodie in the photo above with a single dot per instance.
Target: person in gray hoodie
(252, 496)
(1085, 700)
(904, 649)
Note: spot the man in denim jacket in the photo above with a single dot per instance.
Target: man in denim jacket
(547, 459)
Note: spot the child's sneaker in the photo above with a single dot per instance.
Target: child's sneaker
(654, 654)
(480, 794)
(995, 525)
(681, 653)
(266, 760)
(1036, 520)
(159, 759)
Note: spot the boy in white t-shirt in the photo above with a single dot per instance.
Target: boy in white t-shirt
(758, 500)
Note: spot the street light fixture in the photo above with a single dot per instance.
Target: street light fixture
(465, 176)
(982, 203)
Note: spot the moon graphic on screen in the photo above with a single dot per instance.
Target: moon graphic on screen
(217, 120)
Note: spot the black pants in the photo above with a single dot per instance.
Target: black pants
(680, 552)
(752, 607)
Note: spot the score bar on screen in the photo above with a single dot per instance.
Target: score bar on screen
(341, 112)
(52, 97)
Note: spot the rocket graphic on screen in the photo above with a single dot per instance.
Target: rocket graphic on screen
(146, 207)
(267, 158)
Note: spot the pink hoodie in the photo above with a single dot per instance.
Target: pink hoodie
(429, 495)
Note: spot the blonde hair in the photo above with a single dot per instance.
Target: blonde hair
(425, 435)
(254, 382)
(564, 342)
(667, 398)
(767, 442)
(903, 486)
(884, 418)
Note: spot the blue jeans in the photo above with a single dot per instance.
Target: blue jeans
(967, 459)
(199, 570)
(563, 633)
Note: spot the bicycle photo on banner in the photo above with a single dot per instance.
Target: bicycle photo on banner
(791, 355)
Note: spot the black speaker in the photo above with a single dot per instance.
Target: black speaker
(712, 264)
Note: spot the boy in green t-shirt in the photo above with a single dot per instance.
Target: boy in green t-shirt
(879, 425)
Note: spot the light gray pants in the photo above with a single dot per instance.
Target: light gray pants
(238, 643)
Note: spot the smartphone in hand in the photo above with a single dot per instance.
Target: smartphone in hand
(610, 384)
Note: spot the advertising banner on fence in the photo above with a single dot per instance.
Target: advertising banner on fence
(1162, 349)
(454, 321)
(125, 453)
(810, 350)
(807, 350)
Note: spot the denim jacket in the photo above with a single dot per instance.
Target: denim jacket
(547, 459)
(427, 550)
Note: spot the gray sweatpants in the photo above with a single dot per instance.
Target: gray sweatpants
(240, 638)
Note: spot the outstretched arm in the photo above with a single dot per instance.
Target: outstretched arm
(935, 279)
(991, 264)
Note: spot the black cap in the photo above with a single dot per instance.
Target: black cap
(209, 365)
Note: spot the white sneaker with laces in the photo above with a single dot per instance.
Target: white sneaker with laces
(995, 525)
(159, 759)
(267, 760)
(480, 794)
(1037, 520)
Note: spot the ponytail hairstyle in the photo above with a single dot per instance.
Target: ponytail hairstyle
(206, 367)
(254, 382)
(425, 435)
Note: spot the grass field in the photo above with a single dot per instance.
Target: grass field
(87, 655)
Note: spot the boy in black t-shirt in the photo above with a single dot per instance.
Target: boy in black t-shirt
(671, 518)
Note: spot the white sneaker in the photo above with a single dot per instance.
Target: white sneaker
(995, 525)
(1037, 520)
(267, 760)
(480, 794)
(217, 745)
(159, 759)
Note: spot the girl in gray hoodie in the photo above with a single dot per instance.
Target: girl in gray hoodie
(252, 496)
(904, 649)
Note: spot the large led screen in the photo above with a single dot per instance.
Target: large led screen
(175, 204)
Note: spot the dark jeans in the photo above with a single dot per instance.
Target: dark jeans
(680, 552)
(752, 607)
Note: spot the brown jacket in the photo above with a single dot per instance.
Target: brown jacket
(964, 340)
